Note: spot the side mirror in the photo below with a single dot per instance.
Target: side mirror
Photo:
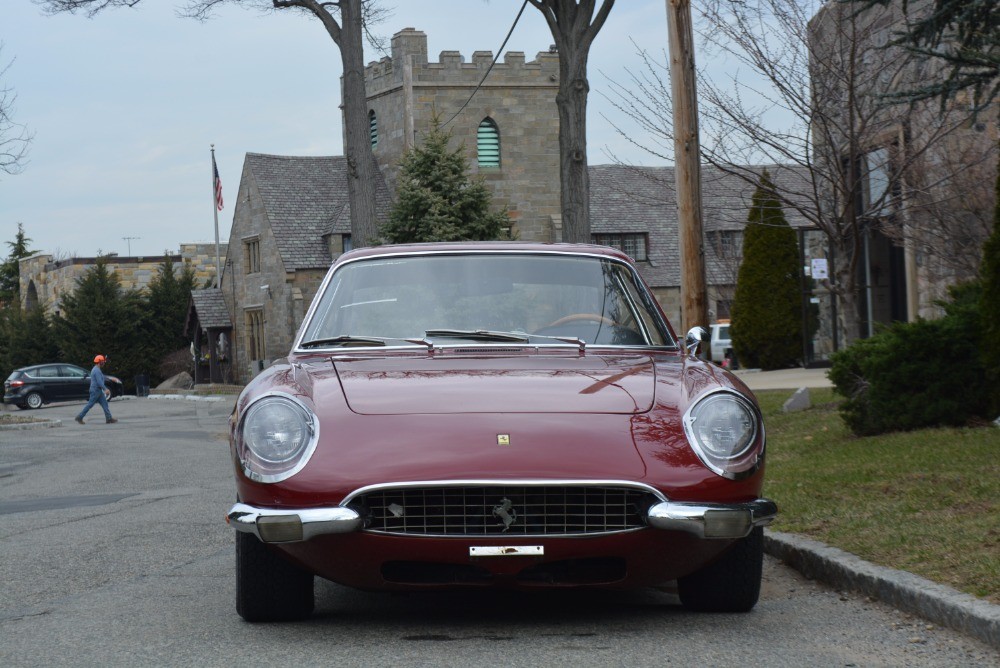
(695, 337)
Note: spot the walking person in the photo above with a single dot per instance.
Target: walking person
(99, 392)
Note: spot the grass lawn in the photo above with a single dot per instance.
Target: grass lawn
(927, 502)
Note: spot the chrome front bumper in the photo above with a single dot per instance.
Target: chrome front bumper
(705, 520)
(713, 520)
(288, 526)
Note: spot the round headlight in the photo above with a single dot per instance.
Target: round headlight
(277, 437)
(723, 431)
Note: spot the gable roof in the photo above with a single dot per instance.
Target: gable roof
(208, 308)
(306, 198)
(626, 199)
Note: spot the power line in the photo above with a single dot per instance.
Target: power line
(499, 51)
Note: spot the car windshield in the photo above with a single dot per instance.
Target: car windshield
(502, 298)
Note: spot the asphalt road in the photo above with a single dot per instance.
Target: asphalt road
(114, 552)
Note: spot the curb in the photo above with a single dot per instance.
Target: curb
(36, 424)
(189, 397)
(905, 591)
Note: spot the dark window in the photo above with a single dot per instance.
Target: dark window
(726, 243)
(254, 321)
(251, 255)
(632, 244)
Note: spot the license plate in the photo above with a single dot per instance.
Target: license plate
(508, 551)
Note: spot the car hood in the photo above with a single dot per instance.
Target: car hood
(529, 383)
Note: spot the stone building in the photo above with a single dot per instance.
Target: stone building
(921, 178)
(44, 279)
(290, 224)
(292, 218)
(509, 126)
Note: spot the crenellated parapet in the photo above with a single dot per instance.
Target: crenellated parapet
(409, 47)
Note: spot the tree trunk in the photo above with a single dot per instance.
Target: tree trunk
(361, 167)
(575, 180)
(574, 25)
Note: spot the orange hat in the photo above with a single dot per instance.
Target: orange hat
(99, 359)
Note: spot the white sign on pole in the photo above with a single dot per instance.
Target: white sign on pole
(819, 269)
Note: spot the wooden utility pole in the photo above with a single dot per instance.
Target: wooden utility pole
(687, 169)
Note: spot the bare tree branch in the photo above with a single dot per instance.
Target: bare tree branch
(809, 93)
(14, 137)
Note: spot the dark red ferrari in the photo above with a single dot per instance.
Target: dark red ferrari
(494, 415)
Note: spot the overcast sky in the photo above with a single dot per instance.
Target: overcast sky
(125, 107)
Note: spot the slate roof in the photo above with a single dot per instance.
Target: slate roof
(210, 308)
(626, 199)
(306, 198)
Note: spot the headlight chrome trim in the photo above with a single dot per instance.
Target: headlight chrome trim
(741, 464)
(242, 449)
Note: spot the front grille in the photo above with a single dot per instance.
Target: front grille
(502, 510)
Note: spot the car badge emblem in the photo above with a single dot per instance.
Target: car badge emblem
(503, 439)
(505, 511)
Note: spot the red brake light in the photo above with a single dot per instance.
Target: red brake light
(16, 383)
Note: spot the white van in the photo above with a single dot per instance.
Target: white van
(720, 342)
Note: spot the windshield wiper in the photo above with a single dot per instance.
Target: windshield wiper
(572, 340)
(345, 340)
(478, 335)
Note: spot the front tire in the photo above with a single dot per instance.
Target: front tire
(33, 400)
(731, 584)
(268, 588)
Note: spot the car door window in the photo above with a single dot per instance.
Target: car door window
(72, 372)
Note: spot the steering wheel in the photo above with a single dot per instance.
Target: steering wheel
(581, 316)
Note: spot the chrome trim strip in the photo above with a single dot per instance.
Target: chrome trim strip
(696, 517)
(485, 482)
(315, 521)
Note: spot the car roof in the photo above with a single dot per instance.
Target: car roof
(46, 364)
(485, 247)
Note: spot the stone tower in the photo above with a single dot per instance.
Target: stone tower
(509, 128)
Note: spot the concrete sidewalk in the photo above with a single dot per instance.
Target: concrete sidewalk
(784, 379)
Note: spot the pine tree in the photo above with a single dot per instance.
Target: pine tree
(100, 317)
(10, 279)
(437, 201)
(25, 338)
(767, 311)
(971, 31)
(168, 301)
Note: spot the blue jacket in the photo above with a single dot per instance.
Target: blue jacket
(97, 380)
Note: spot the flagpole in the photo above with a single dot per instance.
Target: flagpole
(215, 210)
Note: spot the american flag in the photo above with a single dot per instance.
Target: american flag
(218, 185)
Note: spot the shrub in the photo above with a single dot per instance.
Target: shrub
(767, 307)
(914, 375)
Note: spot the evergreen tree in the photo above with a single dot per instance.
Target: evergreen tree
(971, 31)
(100, 317)
(168, 301)
(10, 285)
(989, 306)
(26, 338)
(437, 201)
(767, 311)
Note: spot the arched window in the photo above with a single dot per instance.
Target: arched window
(373, 128)
(488, 143)
(31, 298)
